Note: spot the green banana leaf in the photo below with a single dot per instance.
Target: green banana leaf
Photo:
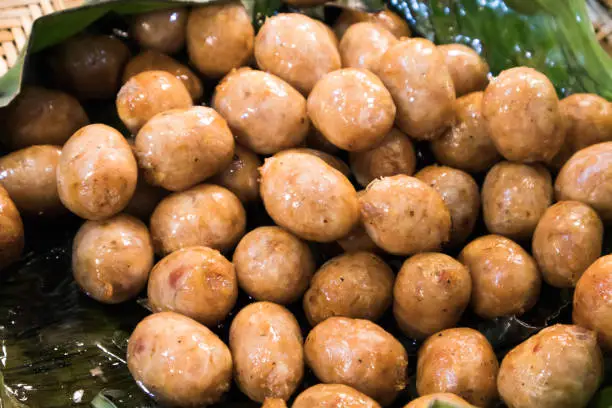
(59, 348)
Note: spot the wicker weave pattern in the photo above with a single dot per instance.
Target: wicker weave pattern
(16, 18)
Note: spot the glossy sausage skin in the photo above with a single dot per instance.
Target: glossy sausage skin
(567, 240)
(205, 215)
(156, 61)
(364, 44)
(40, 116)
(522, 110)
(111, 259)
(460, 194)
(168, 354)
(180, 148)
(392, 156)
(214, 48)
(384, 18)
(467, 69)
(163, 30)
(357, 285)
(360, 354)
(197, 282)
(419, 81)
(460, 361)
(588, 118)
(430, 294)
(89, 66)
(467, 145)
(505, 278)
(333, 396)
(96, 173)
(11, 231)
(265, 113)
(404, 216)
(514, 197)
(266, 345)
(241, 176)
(307, 54)
(428, 401)
(586, 176)
(352, 108)
(146, 94)
(592, 308)
(273, 264)
(308, 197)
(30, 177)
(560, 367)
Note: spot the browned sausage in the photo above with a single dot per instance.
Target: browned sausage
(197, 282)
(214, 49)
(39, 116)
(163, 30)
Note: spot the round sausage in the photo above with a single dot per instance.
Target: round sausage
(273, 265)
(360, 354)
(241, 176)
(592, 308)
(30, 177)
(197, 282)
(214, 47)
(385, 18)
(156, 61)
(274, 403)
(364, 44)
(560, 367)
(588, 119)
(39, 116)
(96, 173)
(333, 396)
(111, 259)
(438, 399)
(352, 108)
(514, 197)
(180, 148)
(505, 278)
(425, 108)
(430, 294)
(168, 353)
(89, 66)
(566, 241)
(308, 52)
(357, 285)
(585, 177)
(460, 194)
(162, 30)
(146, 94)
(467, 145)
(264, 112)
(11, 231)
(404, 216)
(205, 215)
(460, 361)
(467, 69)
(308, 197)
(266, 345)
(522, 110)
(392, 156)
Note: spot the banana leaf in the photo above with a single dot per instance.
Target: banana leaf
(60, 348)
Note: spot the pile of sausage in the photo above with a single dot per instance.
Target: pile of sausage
(290, 100)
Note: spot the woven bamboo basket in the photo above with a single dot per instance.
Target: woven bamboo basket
(17, 16)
